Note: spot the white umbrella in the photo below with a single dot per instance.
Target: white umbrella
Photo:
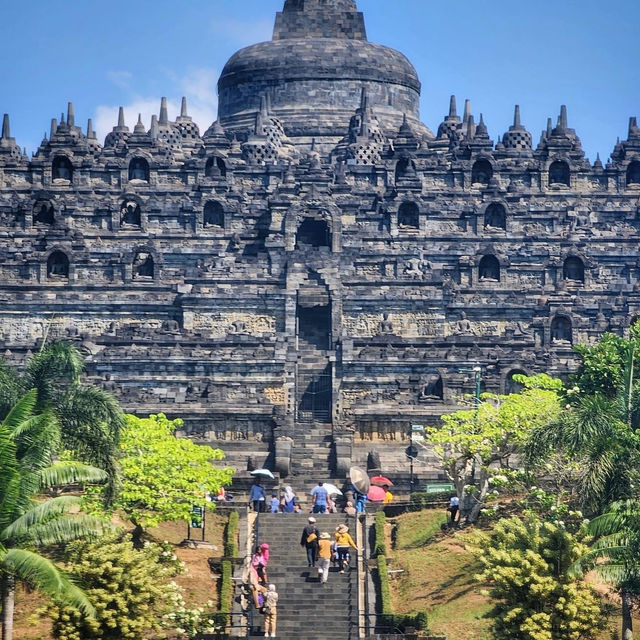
(263, 473)
(332, 490)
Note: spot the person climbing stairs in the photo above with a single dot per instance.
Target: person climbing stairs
(306, 608)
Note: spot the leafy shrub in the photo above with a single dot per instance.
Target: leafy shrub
(231, 536)
(129, 589)
(380, 548)
(226, 587)
(383, 586)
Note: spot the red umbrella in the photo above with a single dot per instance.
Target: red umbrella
(376, 494)
(381, 481)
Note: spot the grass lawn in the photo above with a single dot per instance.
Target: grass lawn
(198, 583)
(438, 575)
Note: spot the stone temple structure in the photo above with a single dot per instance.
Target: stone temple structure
(318, 269)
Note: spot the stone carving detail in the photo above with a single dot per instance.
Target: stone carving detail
(405, 325)
(219, 325)
(276, 395)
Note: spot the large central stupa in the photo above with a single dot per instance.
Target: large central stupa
(313, 73)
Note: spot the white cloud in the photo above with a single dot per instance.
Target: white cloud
(121, 79)
(199, 87)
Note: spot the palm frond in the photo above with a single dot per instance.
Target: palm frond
(11, 388)
(65, 473)
(42, 574)
(55, 368)
(40, 513)
(22, 410)
(65, 529)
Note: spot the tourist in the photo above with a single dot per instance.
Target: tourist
(259, 562)
(309, 540)
(289, 501)
(257, 496)
(454, 506)
(270, 610)
(324, 556)
(274, 504)
(343, 542)
(320, 498)
(331, 504)
(388, 496)
(349, 509)
(361, 501)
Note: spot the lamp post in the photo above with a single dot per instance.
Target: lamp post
(412, 454)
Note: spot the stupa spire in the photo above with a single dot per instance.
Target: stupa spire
(6, 127)
(467, 111)
(121, 117)
(71, 115)
(164, 112)
(183, 108)
(301, 19)
(453, 109)
(516, 117)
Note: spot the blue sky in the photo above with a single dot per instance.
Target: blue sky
(583, 53)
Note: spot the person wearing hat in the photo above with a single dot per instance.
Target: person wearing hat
(309, 540)
(324, 556)
(270, 609)
(343, 542)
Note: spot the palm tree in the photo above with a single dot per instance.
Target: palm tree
(28, 442)
(615, 555)
(600, 432)
(90, 420)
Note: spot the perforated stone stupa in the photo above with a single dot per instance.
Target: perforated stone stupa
(316, 266)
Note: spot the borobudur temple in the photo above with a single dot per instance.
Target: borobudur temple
(318, 266)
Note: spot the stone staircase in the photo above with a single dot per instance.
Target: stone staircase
(307, 609)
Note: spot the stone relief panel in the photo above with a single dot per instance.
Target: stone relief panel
(405, 325)
(219, 325)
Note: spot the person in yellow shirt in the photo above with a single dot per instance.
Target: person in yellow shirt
(343, 542)
(388, 496)
(324, 556)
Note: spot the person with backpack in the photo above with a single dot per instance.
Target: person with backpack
(343, 542)
(309, 540)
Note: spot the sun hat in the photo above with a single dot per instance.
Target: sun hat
(312, 520)
(325, 536)
(342, 528)
(264, 545)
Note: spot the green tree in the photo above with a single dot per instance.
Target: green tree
(164, 476)
(485, 438)
(129, 589)
(526, 562)
(27, 443)
(602, 366)
(90, 420)
(615, 555)
(599, 431)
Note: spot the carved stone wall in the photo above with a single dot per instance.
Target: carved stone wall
(197, 317)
